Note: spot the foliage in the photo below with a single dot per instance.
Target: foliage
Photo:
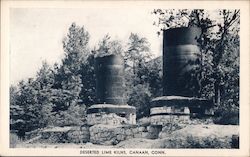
(226, 115)
(207, 142)
(219, 43)
(53, 96)
(140, 97)
(73, 116)
(27, 100)
(68, 76)
(191, 141)
(143, 75)
(87, 95)
(14, 140)
(15, 109)
(59, 95)
(107, 47)
(136, 54)
(154, 76)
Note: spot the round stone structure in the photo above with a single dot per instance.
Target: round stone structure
(181, 61)
(110, 114)
(169, 109)
(111, 107)
(110, 84)
(181, 74)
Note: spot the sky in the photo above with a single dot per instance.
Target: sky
(36, 34)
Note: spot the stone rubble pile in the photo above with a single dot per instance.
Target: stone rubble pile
(79, 134)
(107, 134)
(108, 119)
(112, 135)
(167, 136)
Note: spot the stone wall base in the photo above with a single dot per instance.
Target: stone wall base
(109, 114)
(112, 135)
(169, 119)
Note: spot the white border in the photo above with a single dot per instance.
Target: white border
(244, 70)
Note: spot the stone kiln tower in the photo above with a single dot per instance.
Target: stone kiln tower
(111, 107)
(181, 63)
(110, 80)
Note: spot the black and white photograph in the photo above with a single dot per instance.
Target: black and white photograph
(115, 80)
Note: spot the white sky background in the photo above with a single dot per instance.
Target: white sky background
(36, 34)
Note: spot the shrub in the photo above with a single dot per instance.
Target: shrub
(198, 142)
(207, 142)
(14, 140)
(227, 115)
(75, 115)
(140, 97)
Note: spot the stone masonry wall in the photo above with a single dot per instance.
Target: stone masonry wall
(166, 119)
(110, 119)
(75, 134)
(111, 135)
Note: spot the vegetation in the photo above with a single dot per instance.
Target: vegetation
(219, 43)
(60, 94)
(14, 140)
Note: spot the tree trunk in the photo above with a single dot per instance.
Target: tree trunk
(217, 93)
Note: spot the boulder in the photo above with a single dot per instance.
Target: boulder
(201, 136)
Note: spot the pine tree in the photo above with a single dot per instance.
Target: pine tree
(68, 77)
(45, 80)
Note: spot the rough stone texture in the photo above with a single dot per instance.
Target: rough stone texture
(55, 134)
(110, 114)
(193, 136)
(32, 134)
(112, 135)
(202, 121)
(144, 121)
(169, 109)
(54, 137)
(166, 119)
(201, 136)
(129, 136)
(169, 128)
(78, 134)
(75, 134)
(154, 131)
(181, 105)
(108, 119)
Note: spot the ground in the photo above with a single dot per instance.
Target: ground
(191, 136)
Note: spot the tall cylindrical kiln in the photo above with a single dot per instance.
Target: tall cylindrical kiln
(110, 80)
(181, 61)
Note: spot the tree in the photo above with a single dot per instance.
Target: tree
(15, 109)
(68, 77)
(74, 115)
(107, 47)
(153, 76)
(30, 102)
(88, 92)
(136, 56)
(137, 52)
(71, 87)
(45, 80)
(140, 97)
(31, 110)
